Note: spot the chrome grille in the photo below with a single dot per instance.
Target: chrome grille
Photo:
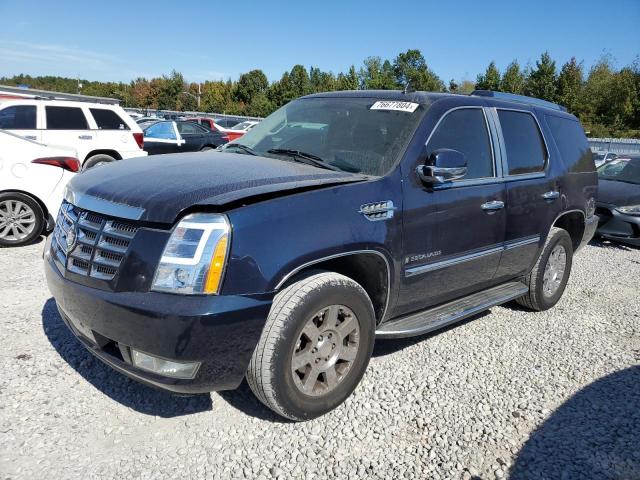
(100, 245)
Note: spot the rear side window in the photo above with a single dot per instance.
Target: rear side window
(18, 117)
(572, 144)
(190, 128)
(108, 119)
(526, 152)
(65, 118)
(465, 130)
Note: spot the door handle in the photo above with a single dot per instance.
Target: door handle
(492, 206)
(551, 195)
(85, 137)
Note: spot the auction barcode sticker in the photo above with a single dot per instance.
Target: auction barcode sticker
(390, 105)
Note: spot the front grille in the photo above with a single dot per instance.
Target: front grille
(100, 244)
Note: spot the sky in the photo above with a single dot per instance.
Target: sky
(117, 40)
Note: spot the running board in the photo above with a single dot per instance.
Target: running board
(428, 320)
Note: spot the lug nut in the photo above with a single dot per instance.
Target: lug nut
(320, 338)
(314, 350)
(317, 360)
(330, 335)
(333, 346)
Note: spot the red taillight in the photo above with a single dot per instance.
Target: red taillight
(68, 163)
(139, 138)
(225, 138)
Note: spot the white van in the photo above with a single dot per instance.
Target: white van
(100, 133)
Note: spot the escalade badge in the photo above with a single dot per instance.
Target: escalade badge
(72, 236)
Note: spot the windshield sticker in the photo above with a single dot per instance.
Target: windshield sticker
(398, 106)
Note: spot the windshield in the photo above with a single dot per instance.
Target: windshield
(241, 126)
(359, 135)
(621, 170)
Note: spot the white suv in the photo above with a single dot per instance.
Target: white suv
(100, 133)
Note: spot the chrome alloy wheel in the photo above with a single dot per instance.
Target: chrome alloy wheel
(325, 350)
(17, 220)
(554, 271)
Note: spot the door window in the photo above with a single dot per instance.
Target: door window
(526, 152)
(108, 119)
(465, 130)
(65, 118)
(190, 129)
(19, 117)
(162, 130)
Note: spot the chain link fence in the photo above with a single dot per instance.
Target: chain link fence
(627, 146)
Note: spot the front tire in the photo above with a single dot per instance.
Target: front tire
(315, 346)
(21, 219)
(548, 278)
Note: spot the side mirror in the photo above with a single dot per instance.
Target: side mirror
(442, 166)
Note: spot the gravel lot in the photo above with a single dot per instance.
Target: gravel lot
(510, 394)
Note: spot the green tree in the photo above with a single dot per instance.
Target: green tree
(569, 90)
(490, 80)
(541, 82)
(348, 81)
(321, 81)
(169, 87)
(377, 75)
(513, 79)
(250, 85)
(410, 68)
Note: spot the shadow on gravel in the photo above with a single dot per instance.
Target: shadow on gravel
(384, 347)
(612, 245)
(245, 401)
(595, 434)
(118, 387)
(35, 241)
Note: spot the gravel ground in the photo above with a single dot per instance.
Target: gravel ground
(510, 394)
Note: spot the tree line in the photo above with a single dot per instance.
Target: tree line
(605, 98)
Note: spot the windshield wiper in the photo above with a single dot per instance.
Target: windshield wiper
(242, 147)
(304, 157)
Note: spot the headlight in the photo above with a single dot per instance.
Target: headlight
(194, 258)
(630, 210)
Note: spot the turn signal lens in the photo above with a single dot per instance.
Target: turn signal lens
(217, 266)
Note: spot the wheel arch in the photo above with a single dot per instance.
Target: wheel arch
(573, 221)
(111, 153)
(369, 268)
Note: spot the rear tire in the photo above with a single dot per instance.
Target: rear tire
(315, 346)
(21, 219)
(548, 278)
(207, 148)
(97, 160)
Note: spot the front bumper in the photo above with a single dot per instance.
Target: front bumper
(221, 332)
(617, 226)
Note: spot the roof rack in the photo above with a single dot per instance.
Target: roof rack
(47, 95)
(512, 97)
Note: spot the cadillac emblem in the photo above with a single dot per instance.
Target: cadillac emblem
(71, 239)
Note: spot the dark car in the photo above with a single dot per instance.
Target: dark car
(340, 218)
(618, 205)
(169, 136)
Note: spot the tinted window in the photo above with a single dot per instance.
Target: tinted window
(18, 117)
(525, 147)
(65, 118)
(190, 128)
(466, 131)
(108, 119)
(161, 130)
(621, 170)
(572, 144)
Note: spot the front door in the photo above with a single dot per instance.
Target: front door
(453, 234)
(162, 137)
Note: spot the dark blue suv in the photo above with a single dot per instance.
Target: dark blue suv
(340, 218)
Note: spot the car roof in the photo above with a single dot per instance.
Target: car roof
(428, 98)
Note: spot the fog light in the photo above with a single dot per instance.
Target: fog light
(164, 367)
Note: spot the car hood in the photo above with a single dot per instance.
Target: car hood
(158, 188)
(616, 193)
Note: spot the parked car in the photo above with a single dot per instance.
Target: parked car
(227, 122)
(99, 133)
(602, 158)
(340, 218)
(169, 136)
(618, 205)
(32, 180)
(240, 129)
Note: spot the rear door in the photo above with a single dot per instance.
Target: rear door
(21, 120)
(194, 136)
(534, 196)
(111, 131)
(454, 233)
(162, 137)
(68, 126)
